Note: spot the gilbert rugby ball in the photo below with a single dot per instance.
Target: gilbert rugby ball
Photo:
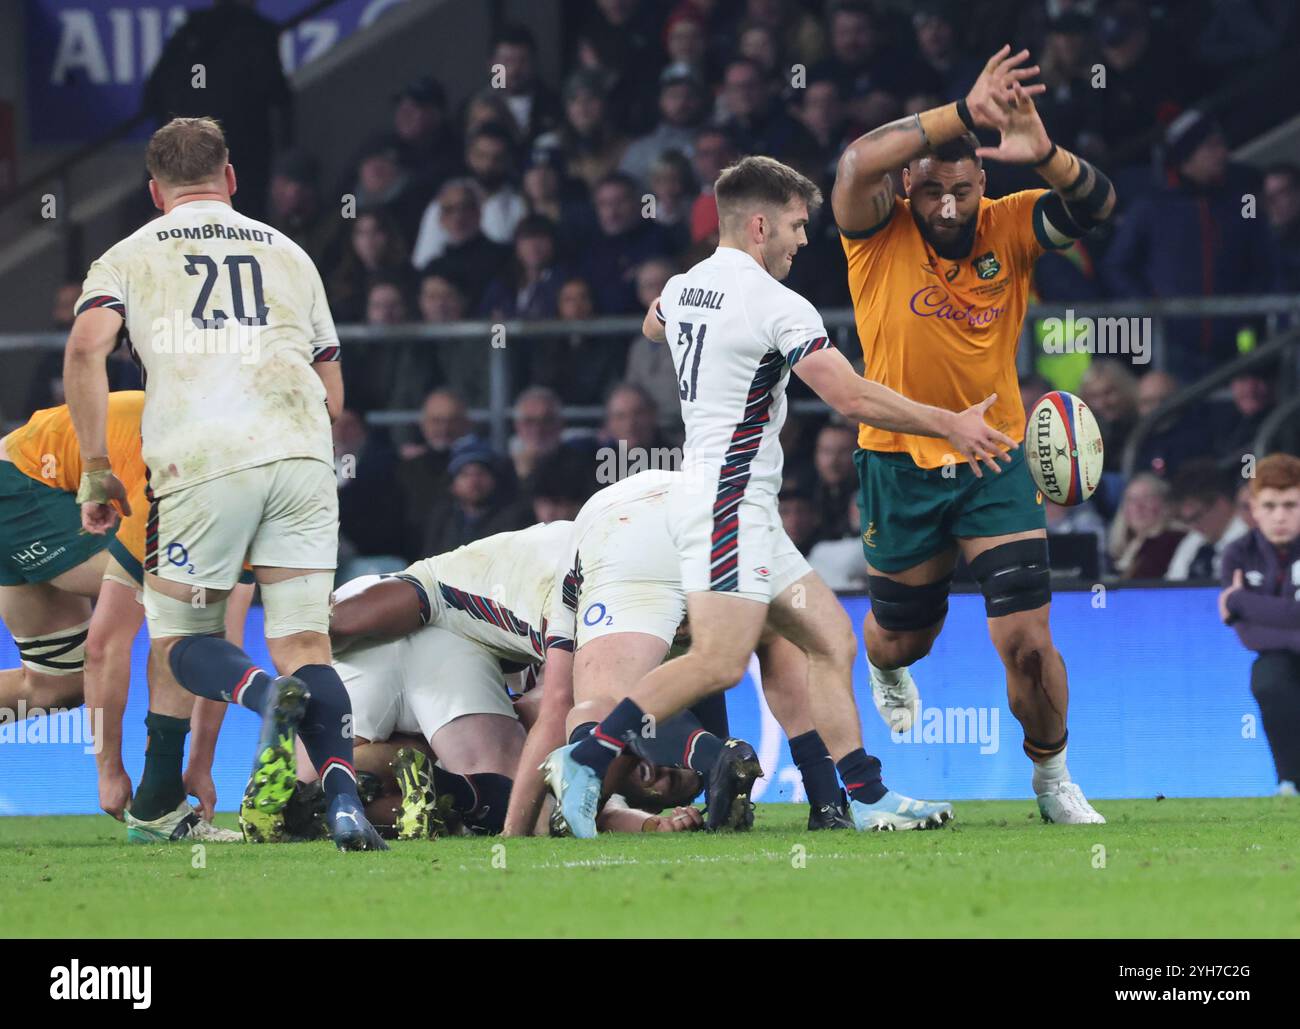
(1064, 449)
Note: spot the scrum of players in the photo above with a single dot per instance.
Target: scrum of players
(568, 677)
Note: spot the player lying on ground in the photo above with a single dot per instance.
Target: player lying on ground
(624, 600)
(422, 654)
(424, 649)
(736, 334)
(940, 282)
(234, 335)
(50, 573)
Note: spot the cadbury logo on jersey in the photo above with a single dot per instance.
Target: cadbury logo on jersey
(706, 298)
(936, 302)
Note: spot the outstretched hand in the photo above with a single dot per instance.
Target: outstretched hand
(989, 100)
(1024, 139)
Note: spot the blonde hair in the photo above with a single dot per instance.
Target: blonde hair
(186, 152)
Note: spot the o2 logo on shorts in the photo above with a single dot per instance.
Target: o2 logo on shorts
(179, 556)
(596, 615)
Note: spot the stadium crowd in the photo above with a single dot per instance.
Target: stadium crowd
(568, 200)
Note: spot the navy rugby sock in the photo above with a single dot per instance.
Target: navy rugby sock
(216, 669)
(814, 762)
(861, 774)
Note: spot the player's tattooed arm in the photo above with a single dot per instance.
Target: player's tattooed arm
(863, 197)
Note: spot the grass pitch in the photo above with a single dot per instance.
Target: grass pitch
(1171, 868)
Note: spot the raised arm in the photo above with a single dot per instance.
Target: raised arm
(832, 378)
(863, 197)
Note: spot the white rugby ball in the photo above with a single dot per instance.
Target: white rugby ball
(1064, 449)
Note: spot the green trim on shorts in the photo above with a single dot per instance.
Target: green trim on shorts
(911, 514)
(132, 567)
(40, 530)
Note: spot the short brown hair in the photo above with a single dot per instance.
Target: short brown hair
(1277, 471)
(762, 180)
(186, 151)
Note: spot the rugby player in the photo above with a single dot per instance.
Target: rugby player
(49, 573)
(736, 332)
(625, 602)
(229, 322)
(940, 282)
(426, 651)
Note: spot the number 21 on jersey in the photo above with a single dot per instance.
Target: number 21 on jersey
(692, 343)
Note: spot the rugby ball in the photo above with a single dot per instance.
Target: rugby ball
(1064, 449)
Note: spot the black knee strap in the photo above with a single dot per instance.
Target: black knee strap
(901, 608)
(1013, 577)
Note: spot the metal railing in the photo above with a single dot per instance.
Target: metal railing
(1280, 312)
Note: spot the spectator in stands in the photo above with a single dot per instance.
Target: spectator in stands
(530, 285)
(560, 198)
(801, 33)
(626, 34)
(382, 182)
(539, 430)
(244, 88)
(836, 478)
(681, 110)
(481, 499)
(375, 250)
(1191, 240)
(469, 258)
(1206, 502)
(1069, 108)
(799, 518)
(486, 107)
(1143, 535)
(873, 77)
(426, 140)
(1238, 422)
(672, 184)
(752, 115)
(1282, 205)
(461, 364)
(650, 364)
(1142, 72)
(578, 366)
(296, 208)
(686, 41)
(1259, 601)
(821, 111)
(625, 239)
(561, 485)
(936, 43)
(489, 158)
(386, 303)
(591, 144)
(422, 472)
(714, 150)
(1178, 437)
(760, 44)
(376, 381)
(1111, 391)
(533, 106)
(631, 427)
(370, 509)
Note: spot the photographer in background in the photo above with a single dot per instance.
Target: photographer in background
(1261, 601)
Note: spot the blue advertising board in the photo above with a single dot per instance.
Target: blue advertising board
(1160, 704)
(87, 60)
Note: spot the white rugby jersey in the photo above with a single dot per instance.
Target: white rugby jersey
(499, 591)
(735, 333)
(641, 498)
(225, 316)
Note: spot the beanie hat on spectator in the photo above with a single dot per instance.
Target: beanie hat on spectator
(471, 450)
(1185, 133)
